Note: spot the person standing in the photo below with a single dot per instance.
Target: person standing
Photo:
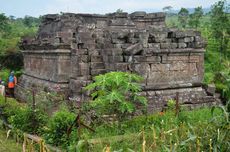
(11, 83)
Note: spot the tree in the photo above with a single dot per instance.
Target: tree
(116, 93)
(183, 17)
(119, 10)
(167, 9)
(194, 18)
(4, 23)
(30, 21)
(220, 25)
(11, 17)
(13, 29)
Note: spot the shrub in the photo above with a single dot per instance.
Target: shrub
(58, 126)
(4, 74)
(116, 93)
(10, 108)
(171, 104)
(29, 120)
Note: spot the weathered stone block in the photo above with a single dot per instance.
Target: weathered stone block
(174, 45)
(178, 58)
(194, 58)
(153, 48)
(77, 85)
(113, 51)
(138, 14)
(133, 40)
(97, 71)
(144, 39)
(182, 45)
(178, 66)
(81, 51)
(96, 58)
(115, 59)
(188, 39)
(124, 46)
(211, 89)
(198, 45)
(84, 69)
(140, 59)
(101, 24)
(180, 40)
(165, 45)
(153, 59)
(134, 49)
(179, 34)
(83, 58)
(121, 67)
(97, 65)
(143, 69)
(160, 37)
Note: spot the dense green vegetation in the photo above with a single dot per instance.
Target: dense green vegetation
(8, 144)
(11, 31)
(162, 131)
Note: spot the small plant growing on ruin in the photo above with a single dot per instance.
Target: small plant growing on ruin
(171, 104)
(116, 93)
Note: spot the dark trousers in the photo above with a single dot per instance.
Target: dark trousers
(11, 92)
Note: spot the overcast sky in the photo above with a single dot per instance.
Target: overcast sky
(20, 8)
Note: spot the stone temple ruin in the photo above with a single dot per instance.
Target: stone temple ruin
(70, 49)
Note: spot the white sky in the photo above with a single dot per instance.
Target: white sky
(20, 8)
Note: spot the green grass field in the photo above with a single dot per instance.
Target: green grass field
(8, 145)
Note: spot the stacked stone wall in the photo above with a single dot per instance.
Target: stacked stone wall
(71, 49)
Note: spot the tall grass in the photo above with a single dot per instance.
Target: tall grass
(190, 131)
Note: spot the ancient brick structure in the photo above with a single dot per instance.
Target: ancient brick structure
(72, 48)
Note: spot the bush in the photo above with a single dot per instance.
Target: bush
(29, 120)
(58, 126)
(116, 93)
(22, 117)
(10, 108)
(4, 74)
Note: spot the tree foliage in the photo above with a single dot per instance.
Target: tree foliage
(220, 24)
(29, 120)
(30, 21)
(4, 23)
(116, 93)
(167, 9)
(119, 10)
(194, 18)
(12, 30)
(183, 17)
